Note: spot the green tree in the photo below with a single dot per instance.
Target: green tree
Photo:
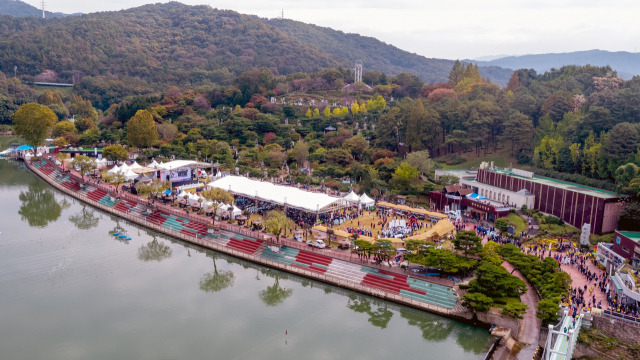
(501, 224)
(404, 175)
(468, 241)
(477, 302)
(357, 145)
(116, 179)
(421, 161)
(84, 163)
(218, 197)
(141, 130)
(630, 214)
(548, 310)
(115, 153)
(518, 131)
(276, 222)
(300, 152)
(515, 309)
(33, 122)
(63, 127)
(495, 281)
(90, 137)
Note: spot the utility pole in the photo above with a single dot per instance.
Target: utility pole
(15, 71)
(282, 16)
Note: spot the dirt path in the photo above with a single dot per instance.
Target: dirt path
(530, 325)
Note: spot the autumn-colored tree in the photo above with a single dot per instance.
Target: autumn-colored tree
(326, 112)
(33, 122)
(308, 114)
(63, 127)
(141, 130)
(219, 198)
(84, 163)
(115, 153)
(276, 222)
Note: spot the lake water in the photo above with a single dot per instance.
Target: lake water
(70, 290)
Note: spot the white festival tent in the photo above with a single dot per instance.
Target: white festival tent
(278, 194)
(366, 201)
(135, 165)
(352, 198)
(124, 170)
(154, 164)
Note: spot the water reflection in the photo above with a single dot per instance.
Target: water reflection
(433, 328)
(218, 279)
(39, 205)
(154, 251)
(85, 219)
(379, 317)
(274, 295)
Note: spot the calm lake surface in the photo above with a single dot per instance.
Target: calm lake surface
(70, 290)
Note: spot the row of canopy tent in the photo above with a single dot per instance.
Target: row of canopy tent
(440, 229)
(134, 170)
(196, 199)
(279, 194)
(362, 201)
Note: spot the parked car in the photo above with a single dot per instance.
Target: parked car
(403, 251)
(310, 242)
(343, 246)
(319, 244)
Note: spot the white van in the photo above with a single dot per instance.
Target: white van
(319, 244)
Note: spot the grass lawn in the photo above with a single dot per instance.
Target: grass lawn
(501, 158)
(517, 221)
(558, 230)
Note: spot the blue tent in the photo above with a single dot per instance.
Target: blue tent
(24, 147)
(476, 196)
(167, 192)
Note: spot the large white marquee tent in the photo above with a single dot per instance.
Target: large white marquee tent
(291, 196)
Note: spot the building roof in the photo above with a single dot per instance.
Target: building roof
(176, 164)
(411, 210)
(278, 194)
(452, 188)
(635, 236)
(588, 190)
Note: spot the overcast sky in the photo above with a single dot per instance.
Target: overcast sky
(449, 29)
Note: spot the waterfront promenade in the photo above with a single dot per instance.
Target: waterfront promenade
(337, 267)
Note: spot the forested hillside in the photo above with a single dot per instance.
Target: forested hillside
(377, 55)
(154, 45)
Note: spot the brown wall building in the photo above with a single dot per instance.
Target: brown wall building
(575, 204)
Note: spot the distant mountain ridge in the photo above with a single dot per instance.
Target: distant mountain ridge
(626, 64)
(19, 8)
(329, 47)
(377, 55)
